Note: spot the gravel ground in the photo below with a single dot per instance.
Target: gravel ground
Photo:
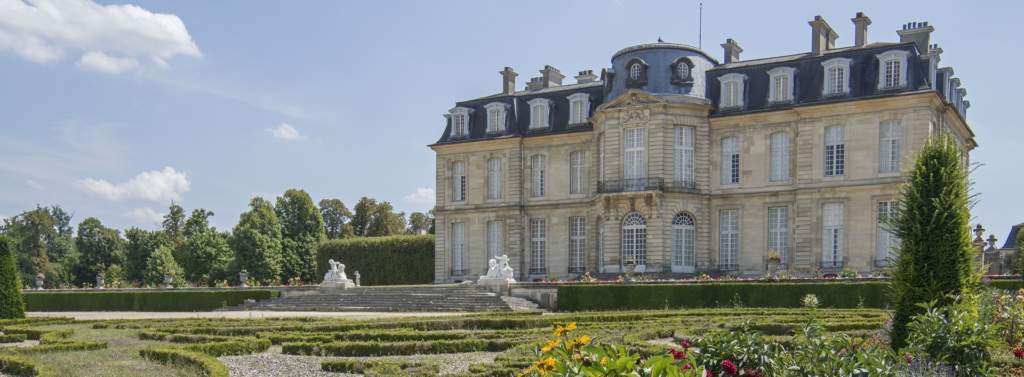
(272, 363)
(239, 314)
(27, 343)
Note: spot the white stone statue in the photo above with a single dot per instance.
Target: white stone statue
(499, 269)
(336, 273)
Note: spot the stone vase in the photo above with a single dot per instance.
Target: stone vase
(773, 267)
(39, 284)
(99, 282)
(167, 280)
(629, 268)
(243, 277)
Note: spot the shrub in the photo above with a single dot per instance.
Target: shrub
(361, 367)
(398, 260)
(397, 348)
(11, 305)
(13, 338)
(954, 335)
(36, 334)
(20, 366)
(230, 348)
(141, 301)
(205, 364)
(588, 297)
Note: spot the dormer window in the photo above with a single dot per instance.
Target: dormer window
(637, 69)
(495, 117)
(460, 122)
(892, 70)
(732, 91)
(540, 109)
(781, 80)
(580, 105)
(837, 77)
(681, 72)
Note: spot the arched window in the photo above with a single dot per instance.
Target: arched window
(635, 71)
(634, 240)
(683, 240)
(682, 71)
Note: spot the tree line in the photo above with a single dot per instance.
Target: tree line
(273, 240)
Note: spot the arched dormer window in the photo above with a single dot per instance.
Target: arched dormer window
(496, 112)
(540, 110)
(460, 119)
(682, 72)
(837, 77)
(781, 85)
(732, 91)
(636, 73)
(892, 70)
(579, 104)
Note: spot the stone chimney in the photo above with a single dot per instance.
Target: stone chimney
(535, 83)
(823, 38)
(919, 33)
(732, 51)
(861, 23)
(551, 76)
(585, 77)
(508, 78)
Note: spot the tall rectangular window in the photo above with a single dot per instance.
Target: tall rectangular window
(730, 160)
(781, 88)
(540, 117)
(780, 157)
(577, 244)
(728, 239)
(886, 243)
(537, 166)
(579, 111)
(459, 181)
(494, 240)
(731, 93)
(601, 157)
(892, 73)
(835, 80)
(683, 157)
(778, 231)
(538, 240)
(835, 142)
(832, 235)
(494, 178)
(458, 249)
(889, 148)
(494, 121)
(634, 148)
(460, 124)
(578, 172)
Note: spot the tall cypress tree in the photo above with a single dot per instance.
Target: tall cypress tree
(935, 258)
(11, 305)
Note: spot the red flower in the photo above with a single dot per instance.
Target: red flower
(1018, 353)
(677, 355)
(729, 368)
(684, 345)
(707, 372)
(687, 367)
(909, 360)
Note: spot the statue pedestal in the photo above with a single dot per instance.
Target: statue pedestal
(332, 287)
(496, 286)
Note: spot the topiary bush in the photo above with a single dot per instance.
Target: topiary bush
(11, 305)
(397, 260)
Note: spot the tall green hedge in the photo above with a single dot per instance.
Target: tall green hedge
(11, 305)
(398, 260)
(142, 301)
(587, 297)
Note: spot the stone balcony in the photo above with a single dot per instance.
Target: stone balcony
(646, 184)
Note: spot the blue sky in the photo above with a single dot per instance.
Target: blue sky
(113, 109)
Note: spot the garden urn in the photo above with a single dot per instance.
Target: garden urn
(99, 281)
(773, 267)
(39, 284)
(630, 267)
(243, 277)
(167, 280)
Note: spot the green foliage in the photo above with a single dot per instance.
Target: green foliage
(98, 248)
(36, 226)
(231, 347)
(20, 366)
(590, 296)
(207, 365)
(160, 262)
(419, 221)
(42, 241)
(34, 333)
(748, 348)
(302, 230)
(394, 348)
(377, 366)
(361, 218)
(174, 224)
(955, 335)
(384, 221)
(141, 301)
(336, 219)
(932, 215)
(11, 305)
(256, 241)
(140, 246)
(13, 338)
(399, 260)
(204, 255)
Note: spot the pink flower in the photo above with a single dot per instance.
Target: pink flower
(707, 372)
(729, 368)
(909, 360)
(687, 367)
(677, 355)
(684, 345)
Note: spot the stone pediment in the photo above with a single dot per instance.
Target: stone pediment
(632, 98)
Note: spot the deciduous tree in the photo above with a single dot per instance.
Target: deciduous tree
(419, 221)
(141, 244)
(384, 221)
(256, 240)
(302, 230)
(361, 218)
(174, 224)
(336, 219)
(160, 263)
(205, 254)
(99, 247)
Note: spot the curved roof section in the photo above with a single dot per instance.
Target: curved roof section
(663, 45)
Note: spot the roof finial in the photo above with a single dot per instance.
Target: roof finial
(660, 41)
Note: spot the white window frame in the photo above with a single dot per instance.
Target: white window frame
(778, 232)
(600, 172)
(683, 243)
(779, 144)
(495, 117)
(730, 160)
(784, 92)
(494, 239)
(897, 56)
(459, 181)
(889, 134)
(683, 157)
(635, 155)
(732, 97)
(538, 165)
(578, 172)
(827, 87)
(636, 71)
(494, 179)
(579, 108)
(538, 246)
(728, 239)
(460, 117)
(634, 239)
(835, 151)
(543, 120)
(885, 242)
(459, 249)
(577, 244)
(832, 235)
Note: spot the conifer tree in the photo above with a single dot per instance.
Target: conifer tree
(932, 215)
(11, 305)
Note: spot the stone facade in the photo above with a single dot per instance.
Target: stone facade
(635, 161)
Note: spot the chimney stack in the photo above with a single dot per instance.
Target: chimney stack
(861, 22)
(551, 76)
(732, 51)
(535, 83)
(919, 33)
(508, 78)
(823, 38)
(585, 77)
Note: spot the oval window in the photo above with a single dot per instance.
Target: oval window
(634, 71)
(683, 70)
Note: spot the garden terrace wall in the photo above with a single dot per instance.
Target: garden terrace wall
(398, 260)
(140, 300)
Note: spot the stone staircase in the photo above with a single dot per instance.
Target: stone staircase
(442, 298)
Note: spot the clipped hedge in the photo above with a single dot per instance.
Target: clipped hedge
(361, 367)
(206, 365)
(230, 348)
(36, 333)
(398, 348)
(22, 367)
(592, 297)
(13, 338)
(398, 260)
(141, 301)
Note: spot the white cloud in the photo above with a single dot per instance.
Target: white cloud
(144, 214)
(422, 195)
(41, 31)
(36, 185)
(286, 132)
(100, 62)
(3, 219)
(158, 186)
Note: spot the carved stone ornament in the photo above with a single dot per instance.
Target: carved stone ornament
(634, 116)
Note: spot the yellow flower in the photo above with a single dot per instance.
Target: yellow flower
(551, 345)
(559, 330)
(603, 359)
(546, 365)
(583, 340)
(528, 370)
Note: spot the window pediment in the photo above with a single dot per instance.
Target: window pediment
(497, 115)
(781, 83)
(892, 70)
(579, 106)
(837, 77)
(732, 92)
(540, 113)
(460, 118)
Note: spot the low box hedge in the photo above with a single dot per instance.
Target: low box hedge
(13, 338)
(362, 366)
(141, 301)
(397, 260)
(594, 297)
(205, 364)
(230, 348)
(19, 366)
(35, 333)
(398, 348)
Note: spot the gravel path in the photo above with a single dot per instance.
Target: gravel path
(27, 343)
(237, 315)
(272, 363)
